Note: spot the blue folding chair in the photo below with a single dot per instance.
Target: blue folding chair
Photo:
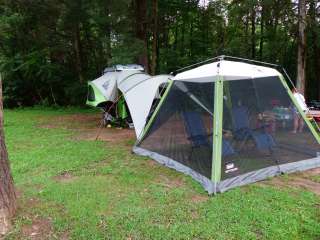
(243, 132)
(198, 135)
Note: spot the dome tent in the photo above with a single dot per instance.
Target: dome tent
(227, 124)
(138, 89)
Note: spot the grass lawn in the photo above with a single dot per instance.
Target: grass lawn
(75, 188)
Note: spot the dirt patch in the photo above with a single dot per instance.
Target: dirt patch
(41, 228)
(170, 183)
(113, 135)
(65, 236)
(306, 184)
(65, 177)
(30, 224)
(299, 180)
(311, 173)
(194, 214)
(87, 127)
(199, 198)
(48, 126)
(73, 121)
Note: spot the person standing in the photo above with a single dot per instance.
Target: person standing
(298, 121)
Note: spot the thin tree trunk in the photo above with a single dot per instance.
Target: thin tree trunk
(108, 35)
(7, 191)
(78, 53)
(262, 32)
(253, 33)
(182, 39)
(246, 35)
(141, 31)
(301, 71)
(191, 39)
(155, 38)
(175, 44)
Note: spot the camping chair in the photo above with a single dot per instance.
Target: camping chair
(243, 132)
(198, 135)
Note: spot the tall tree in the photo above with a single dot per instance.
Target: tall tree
(262, 13)
(78, 53)
(154, 38)
(301, 67)
(315, 43)
(253, 32)
(141, 30)
(7, 191)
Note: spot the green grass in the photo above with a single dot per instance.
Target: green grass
(116, 195)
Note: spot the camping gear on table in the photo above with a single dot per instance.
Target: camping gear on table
(211, 92)
(126, 92)
(314, 114)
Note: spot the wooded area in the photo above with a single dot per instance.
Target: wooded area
(50, 49)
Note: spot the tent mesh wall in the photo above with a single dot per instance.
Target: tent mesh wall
(258, 124)
(182, 129)
(258, 117)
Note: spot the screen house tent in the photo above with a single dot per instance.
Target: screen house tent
(228, 124)
(138, 88)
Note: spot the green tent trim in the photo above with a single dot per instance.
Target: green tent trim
(95, 97)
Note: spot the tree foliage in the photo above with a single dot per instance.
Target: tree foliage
(49, 49)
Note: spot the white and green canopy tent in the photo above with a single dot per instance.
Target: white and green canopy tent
(227, 124)
(138, 88)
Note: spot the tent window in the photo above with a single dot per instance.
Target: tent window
(91, 96)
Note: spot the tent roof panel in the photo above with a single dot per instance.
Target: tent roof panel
(229, 69)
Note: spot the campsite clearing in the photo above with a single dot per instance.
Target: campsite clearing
(71, 187)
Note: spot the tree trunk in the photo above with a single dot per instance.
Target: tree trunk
(191, 39)
(78, 53)
(253, 33)
(141, 31)
(301, 71)
(315, 46)
(7, 192)
(108, 35)
(155, 37)
(261, 32)
(246, 35)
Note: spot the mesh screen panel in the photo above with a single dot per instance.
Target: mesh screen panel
(182, 129)
(258, 124)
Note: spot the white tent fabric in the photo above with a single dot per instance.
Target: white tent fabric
(139, 100)
(228, 69)
(139, 90)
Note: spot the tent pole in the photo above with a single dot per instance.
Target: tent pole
(108, 111)
(225, 57)
(217, 132)
(302, 113)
